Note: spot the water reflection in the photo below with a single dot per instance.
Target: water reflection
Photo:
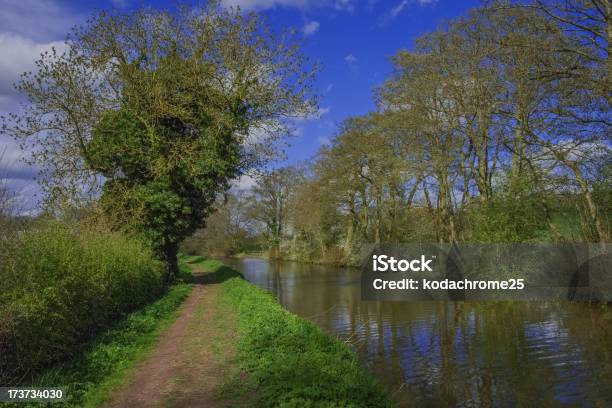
(434, 354)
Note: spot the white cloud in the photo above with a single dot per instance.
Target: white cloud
(11, 163)
(322, 112)
(244, 182)
(265, 4)
(18, 55)
(249, 5)
(18, 178)
(318, 114)
(39, 20)
(27, 28)
(351, 59)
(24, 196)
(396, 10)
(311, 28)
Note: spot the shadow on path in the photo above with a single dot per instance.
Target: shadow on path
(193, 356)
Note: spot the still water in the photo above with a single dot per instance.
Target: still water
(440, 354)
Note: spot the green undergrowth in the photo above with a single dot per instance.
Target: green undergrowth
(62, 284)
(290, 362)
(104, 364)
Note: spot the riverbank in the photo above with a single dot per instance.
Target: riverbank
(461, 348)
(233, 344)
(255, 255)
(288, 360)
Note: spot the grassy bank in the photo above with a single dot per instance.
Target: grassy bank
(103, 364)
(290, 362)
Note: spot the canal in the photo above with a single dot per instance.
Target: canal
(439, 354)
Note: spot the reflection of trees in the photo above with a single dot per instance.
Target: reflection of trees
(490, 354)
(275, 281)
(590, 328)
(454, 353)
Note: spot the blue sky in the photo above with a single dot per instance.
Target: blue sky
(351, 39)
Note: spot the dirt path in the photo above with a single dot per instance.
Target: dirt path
(192, 360)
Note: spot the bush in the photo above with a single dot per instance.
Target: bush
(514, 214)
(60, 285)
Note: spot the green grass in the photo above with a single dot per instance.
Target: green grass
(290, 362)
(104, 364)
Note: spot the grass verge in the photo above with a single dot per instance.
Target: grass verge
(103, 364)
(290, 362)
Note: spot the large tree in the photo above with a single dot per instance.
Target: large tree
(162, 109)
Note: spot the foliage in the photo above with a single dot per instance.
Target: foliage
(513, 215)
(495, 128)
(602, 191)
(171, 107)
(103, 364)
(290, 361)
(269, 207)
(60, 285)
(230, 230)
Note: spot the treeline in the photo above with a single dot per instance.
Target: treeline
(494, 129)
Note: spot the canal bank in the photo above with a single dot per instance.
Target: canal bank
(234, 345)
(288, 360)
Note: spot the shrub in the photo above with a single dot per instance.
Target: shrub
(514, 214)
(60, 285)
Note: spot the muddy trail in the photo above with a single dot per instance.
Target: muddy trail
(193, 359)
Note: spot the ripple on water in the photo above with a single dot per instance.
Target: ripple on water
(454, 354)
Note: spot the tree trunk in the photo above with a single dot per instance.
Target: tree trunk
(348, 246)
(169, 257)
(518, 152)
(557, 236)
(602, 234)
(377, 226)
